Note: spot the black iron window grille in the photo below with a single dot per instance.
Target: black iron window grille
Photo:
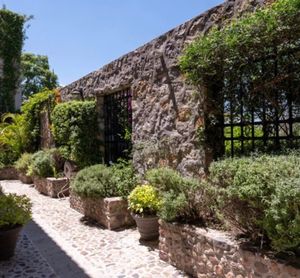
(262, 106)
(118, 125)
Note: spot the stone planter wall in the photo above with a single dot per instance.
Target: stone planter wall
(50, 186)
(8, 173)
(209, 253)
(24, 178)
(112, 213)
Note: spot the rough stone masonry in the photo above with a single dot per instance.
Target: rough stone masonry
(167, 111)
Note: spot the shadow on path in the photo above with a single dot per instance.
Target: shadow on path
(60, 262)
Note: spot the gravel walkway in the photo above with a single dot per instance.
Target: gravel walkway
(96, 252)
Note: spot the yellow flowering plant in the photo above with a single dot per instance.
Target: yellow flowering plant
(144, 199)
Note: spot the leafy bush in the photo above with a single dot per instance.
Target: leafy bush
(75, 130)
(103, 181)
(94, 181)
(144, 199)
(31, 109)
(15, 210)
(23, 163)
(123, 177)
(183, 199)
(13, 139)
(44, 163)
(260, 196)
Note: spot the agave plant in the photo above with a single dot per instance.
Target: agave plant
(13, 137)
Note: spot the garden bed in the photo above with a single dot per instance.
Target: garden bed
(51, 186)
(8, 173)
(24, 178)
(210, 253)
(112, 212)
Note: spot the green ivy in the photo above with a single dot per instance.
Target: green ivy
(11, 42)
(75, 130)
(32, 110)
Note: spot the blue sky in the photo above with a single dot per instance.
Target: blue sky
(80, 36)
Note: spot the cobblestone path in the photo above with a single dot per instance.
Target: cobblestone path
(96, 251)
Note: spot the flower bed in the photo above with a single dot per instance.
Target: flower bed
(8, 173)
(111, 212)
(210, 253)
(51, 186)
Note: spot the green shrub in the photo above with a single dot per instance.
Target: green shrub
(23, 163)
(44, 163)
(103, 181)
(94, 181)
(7, 156)
(13, 139)
(15, 210)
(123, 177)
(75, 131)
(183, 199)
(32, 109)
(260, 196)
(144, 199)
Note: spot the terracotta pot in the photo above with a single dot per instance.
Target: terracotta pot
(147, 226)
(8, 242)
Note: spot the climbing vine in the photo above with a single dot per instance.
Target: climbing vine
(11, 42)
(31, 109)
(75, 130)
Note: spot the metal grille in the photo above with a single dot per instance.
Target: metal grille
(265, 115)
(118, 125)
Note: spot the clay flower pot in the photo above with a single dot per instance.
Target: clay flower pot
(8, 242)
(147, 226)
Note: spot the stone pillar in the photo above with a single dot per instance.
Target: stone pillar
(101, 124)
(47, 140)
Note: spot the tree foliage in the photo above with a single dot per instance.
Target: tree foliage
(36, 74)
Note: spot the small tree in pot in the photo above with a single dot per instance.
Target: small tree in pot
(144, 203)
(15, 212)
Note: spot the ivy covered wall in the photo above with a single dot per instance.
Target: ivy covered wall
(11, 42)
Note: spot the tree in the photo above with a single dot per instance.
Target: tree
(36, 74)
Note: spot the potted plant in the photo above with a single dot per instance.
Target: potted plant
(144, 203)
(15, 212)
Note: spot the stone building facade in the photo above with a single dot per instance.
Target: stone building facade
(167, 111)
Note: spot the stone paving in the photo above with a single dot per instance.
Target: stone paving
(97, 251)
(26, 263)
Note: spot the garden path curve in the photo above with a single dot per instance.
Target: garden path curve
(69, 247)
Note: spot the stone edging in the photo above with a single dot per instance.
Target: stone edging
(112, 213)
(8, 173)
(51, 186)
(210, 253)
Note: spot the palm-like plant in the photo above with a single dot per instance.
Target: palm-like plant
(13, 138)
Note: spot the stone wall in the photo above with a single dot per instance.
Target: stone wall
(8, 173)
(53, 187)
(208, 253)
(112, 213)
(166, 110)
